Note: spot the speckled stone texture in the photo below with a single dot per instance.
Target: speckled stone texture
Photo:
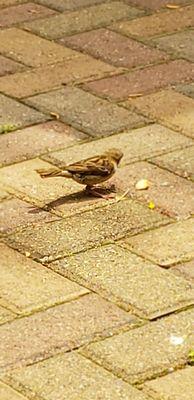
(147, 351)
(66, 326)
(72, 376)
(128, 280)
(27, 286)
(85, 231)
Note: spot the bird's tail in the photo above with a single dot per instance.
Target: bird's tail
(52, 172)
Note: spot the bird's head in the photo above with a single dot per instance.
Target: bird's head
(115, 154)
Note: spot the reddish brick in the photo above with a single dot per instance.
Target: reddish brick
(156, 4)
(23, 12)
(114, 48)
(143, 80)
(157, 23)
(42, 79)
(82, 20)
(15, 213)
(9, 66)
(171, 108)
(35, 140)
(171, 195)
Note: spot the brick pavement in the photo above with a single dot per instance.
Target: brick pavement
(96, 297)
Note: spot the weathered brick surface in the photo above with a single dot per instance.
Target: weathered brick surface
(6, 315)
(158, 23)
(86, 112)
(186, 270)
(18, 115)
(173, 109)
(27, 286)
(166, 246)
(146, 351)
(187, 89)
(156, 4)
(114, 48)
(9, 66)
(6, 3)
(137, 144)
(7, 393)
(70, 5)
(127, 280)
(180, 384)
(181, 162)
(15, 213)
(30, 49)
(38, 139)
(66, 326)
(23, 179)
(86, 230)
(24, 12)
(142, 81)
(171, 194)
(82, 20)
(53, 377)
(179, 44)
(45, 78)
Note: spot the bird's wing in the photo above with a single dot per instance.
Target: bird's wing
(92, 166)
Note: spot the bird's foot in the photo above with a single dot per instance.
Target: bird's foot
(99, 192)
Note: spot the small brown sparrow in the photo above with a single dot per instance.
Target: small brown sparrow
(90, 171)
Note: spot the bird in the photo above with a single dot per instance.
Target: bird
(90, 171)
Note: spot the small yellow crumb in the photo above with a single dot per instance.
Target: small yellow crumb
(151, 205)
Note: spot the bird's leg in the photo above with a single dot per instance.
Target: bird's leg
(94, 191)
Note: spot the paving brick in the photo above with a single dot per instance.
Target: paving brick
(60, 328)
(114, 48)
(187, 89)
(171, 194)
(49, 77)
(7, 393)
(180, 384)
(6, 3)
(141, 81)
(186, 270)
(166, 246)
(147, 351)
(38, 139)
(129, 281)
(23, 180)
(138, 144)
(158, 23)
(17, 114)
(23, 12)
(70, 5)
(178, 44)
(181, 162)
(6, 315)
(15, 213)
(85, 231)
(27, 286)
(156, 4)
(86, 112)
(30, 49)
(9, 66)
(53, 377)
(82, 20)
(172, 109)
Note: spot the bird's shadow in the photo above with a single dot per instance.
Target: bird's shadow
(77, 197)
